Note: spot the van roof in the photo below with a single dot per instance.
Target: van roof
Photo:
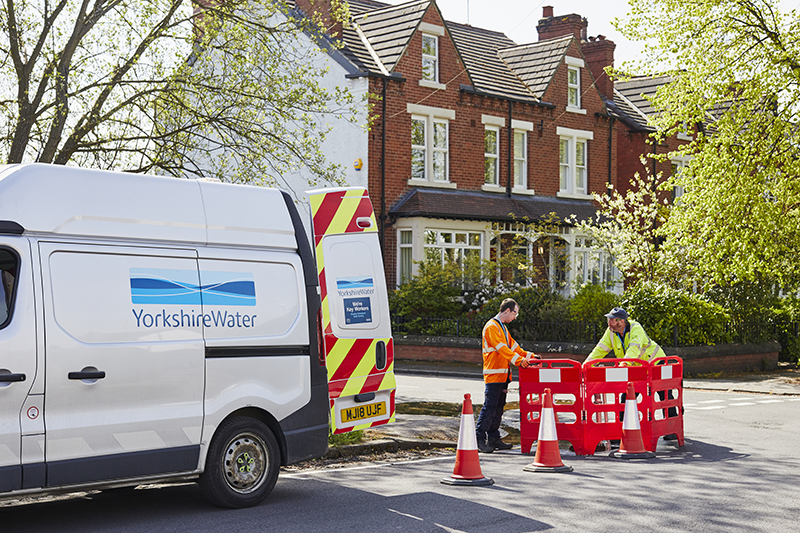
(67, 201)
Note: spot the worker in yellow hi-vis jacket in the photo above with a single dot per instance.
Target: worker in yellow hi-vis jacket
(625, 338)
(500, 351)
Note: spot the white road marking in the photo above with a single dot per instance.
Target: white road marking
(408, 515)
(741, 404)
(709, 408)
(769, 401)
(712, 401)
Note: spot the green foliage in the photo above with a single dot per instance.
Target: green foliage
(343, 439)
(735, 71)
(787, 317)
(746, 300)
(659, 308)
(591, 303)
(232, 91)
(433, 291)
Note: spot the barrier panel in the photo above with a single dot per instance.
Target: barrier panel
(563, 377)
(590, 399)
(666, 415)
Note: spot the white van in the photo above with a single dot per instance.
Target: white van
(155, 329)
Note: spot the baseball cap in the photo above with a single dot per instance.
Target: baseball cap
(617, 312)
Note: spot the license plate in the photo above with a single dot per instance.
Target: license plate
(360, 412)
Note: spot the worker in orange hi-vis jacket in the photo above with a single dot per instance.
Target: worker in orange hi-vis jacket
(500, 351)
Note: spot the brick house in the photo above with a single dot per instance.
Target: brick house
(474, 134)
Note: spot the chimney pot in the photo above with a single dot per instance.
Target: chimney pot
(547, 11)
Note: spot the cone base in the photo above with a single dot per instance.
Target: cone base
(547, 469)
(482, 482)
(628, 455)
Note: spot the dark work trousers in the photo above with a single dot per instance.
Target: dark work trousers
(492, 412)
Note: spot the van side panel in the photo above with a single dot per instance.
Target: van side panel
(18, 365)
(125, 361)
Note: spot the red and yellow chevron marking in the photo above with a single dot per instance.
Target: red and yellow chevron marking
(350, 362)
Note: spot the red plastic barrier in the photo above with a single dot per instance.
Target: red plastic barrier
(605, 384)
(564, 379)
(666, 383)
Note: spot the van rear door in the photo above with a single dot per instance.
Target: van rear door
(355, 309)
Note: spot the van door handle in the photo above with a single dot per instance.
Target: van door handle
(96, 374)
(380, 355)
(11, 378)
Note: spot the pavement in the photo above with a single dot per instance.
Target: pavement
(424, 432)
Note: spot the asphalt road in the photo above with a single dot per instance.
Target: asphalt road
(738, 472)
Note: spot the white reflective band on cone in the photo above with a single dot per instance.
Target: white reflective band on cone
(467, 440)
(547, 427)
(631, 416)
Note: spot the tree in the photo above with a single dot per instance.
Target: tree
(212, 89)
(735, 66)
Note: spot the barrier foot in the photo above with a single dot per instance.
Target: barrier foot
(624, 455)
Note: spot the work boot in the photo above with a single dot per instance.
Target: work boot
(500, 445)
(483, 447)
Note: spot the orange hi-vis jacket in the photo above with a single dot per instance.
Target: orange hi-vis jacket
(500, 351)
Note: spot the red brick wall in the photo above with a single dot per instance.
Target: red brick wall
(466, 132)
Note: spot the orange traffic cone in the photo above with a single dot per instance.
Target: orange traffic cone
(632, 446)
(468, 467)
(548, 456)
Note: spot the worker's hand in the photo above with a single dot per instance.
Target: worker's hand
(536, 355)
(524, 363)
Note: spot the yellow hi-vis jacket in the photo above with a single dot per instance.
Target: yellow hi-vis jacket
(634, 345)
(499, 349)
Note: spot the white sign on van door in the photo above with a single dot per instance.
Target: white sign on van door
(355, 293)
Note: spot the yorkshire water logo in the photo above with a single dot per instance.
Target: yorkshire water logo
(155, 286)
(355, 286)
(180, 287)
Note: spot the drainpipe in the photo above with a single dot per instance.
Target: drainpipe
(382, 219)
(510, 149)
(610, 152)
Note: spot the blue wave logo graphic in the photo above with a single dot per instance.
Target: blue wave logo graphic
(180, 287)
(353, 283)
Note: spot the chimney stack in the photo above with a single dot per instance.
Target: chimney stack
(551, 27)
(599, 53)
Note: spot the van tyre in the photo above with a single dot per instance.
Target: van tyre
(242, 464)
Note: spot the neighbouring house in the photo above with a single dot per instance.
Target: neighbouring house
(474, 136)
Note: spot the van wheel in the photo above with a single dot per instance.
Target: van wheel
(242, 464)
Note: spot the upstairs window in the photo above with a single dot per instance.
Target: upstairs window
(574, 100)
(429, 149)
(573, 162)
(520, 159)
(430, 57)
(491, 153)
(574, 87)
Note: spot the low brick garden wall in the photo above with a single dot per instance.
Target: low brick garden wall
(696, 359)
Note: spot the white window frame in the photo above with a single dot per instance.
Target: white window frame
(489, 156)
(448, 239)
(574, 65)
(433, 59)
(568, 170)
(521, 160)
(433, 118)
(407, 247)
(584, 257)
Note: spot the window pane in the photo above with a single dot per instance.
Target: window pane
(461, 238)
(580, 153)
(490, 142)
(418, 164)
(573, 97)
(474, 239)
(418, 132)
(440, 166)
(490, 171)
(428, 69)
(563, 152)
(405, 264)
(433, 254)
(579, 265)
(519, 169)
(447, 238)
(440, 135)
(8, 274)
(573, 76)
(429, 45)
(519, 144)
(405, 237)
(430, 236)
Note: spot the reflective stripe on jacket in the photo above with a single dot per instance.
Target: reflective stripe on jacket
(636, 344)
(499, 352)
